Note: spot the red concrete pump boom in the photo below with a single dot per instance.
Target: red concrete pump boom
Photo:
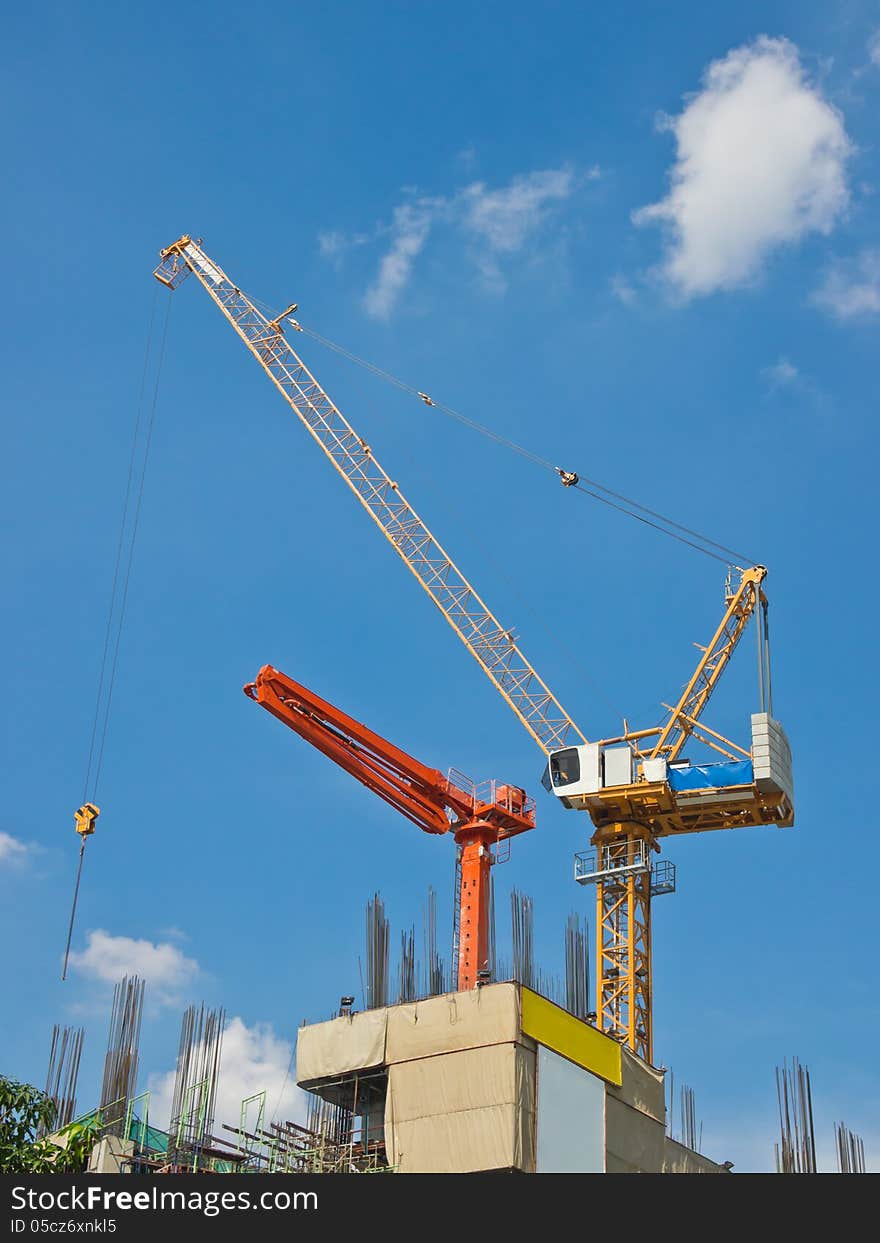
(478, 817)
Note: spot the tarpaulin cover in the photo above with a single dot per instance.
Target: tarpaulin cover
(456, 1112)
(633, 1141)
(642, 1086)
(481, 1016)
(711, 776)
(326, 1050)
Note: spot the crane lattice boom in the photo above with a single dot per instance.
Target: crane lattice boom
(741, 604)
(490, 643)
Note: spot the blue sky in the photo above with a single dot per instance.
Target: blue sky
(645, 246)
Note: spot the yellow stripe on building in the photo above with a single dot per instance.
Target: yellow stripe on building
(564, 1034)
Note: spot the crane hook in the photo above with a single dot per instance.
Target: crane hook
(85, 817)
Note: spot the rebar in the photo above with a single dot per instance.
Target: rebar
(331, 1124)
(688, 1115)
(406, 983)
(121, 1059)
(522, 927)
(850, 1150)
(549, 984)
(435, 968)
(63, 1071)
(796, 1150)
(195, 1083)
(577, 967)
(377, 937)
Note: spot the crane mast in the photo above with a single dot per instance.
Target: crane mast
(630, 812)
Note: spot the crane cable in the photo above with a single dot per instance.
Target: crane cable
(101, 716)
(523, 602)
(578, 482)
(598, 491)
(134, 532)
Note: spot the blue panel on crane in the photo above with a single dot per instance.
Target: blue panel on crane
(711, 776)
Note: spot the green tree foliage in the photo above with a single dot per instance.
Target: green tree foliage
(26, 1116)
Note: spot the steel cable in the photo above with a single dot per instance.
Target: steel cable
(627, 506)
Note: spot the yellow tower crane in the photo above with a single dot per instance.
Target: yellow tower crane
(636, 787)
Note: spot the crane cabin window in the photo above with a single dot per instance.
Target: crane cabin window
(564, 768)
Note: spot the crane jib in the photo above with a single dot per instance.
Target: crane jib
(490, 643)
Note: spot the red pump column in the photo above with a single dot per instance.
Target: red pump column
(475, 841)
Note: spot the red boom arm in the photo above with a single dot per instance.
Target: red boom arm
(427, 798)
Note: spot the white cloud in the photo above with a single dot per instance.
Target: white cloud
(252, 1059)
(502, 220)
(781, 374)
(12, 851)
(761, 161)
(108, 958)
(874, 48)
(332, 243)
(623, 290)
(852, 287)
(784, 377)
(498, 222)
(410, 228)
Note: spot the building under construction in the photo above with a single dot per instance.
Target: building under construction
(493, 1078)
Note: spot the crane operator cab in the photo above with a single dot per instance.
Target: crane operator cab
(616, 782)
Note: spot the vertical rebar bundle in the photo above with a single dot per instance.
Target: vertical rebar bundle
(577, 967)
(549, 985)
(121, 1059)
(691, 1134)
(195, 1082)
(406, 984)
(331, 1123)
(377, 937)
(850, 1150)
(796, 1150)
(522, 926)
(63, 1071)
(435, 968)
